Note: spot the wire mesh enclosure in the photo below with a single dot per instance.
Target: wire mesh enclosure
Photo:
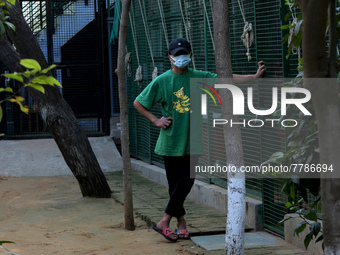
(154, 23)
(70, 34)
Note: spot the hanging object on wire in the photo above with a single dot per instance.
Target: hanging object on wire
(128, 64)
(139, 76)
(155, 73)
(294, 29)
(248, 33)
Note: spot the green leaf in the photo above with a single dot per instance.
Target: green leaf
(292, 191)
(311, 216)
(1, 113)
(283, 221)
(315, 203)
(42, 79)
(288, 205)
(10, 25)
(15, 76)
(319, 207)
(7, 89)
(287, 16)
(30, 73)
(30, 64)
(37, 87)
(46, 80)
(12, 2)
(299, 228)
(304, 194)
(48, 68)
(54, 81)
(22, 108)
(2, 242)
(301, 61)
(309, 158)
(276, 156)
(301, 124)
(293, 144)
(285, 39)
(2, 28)
(320, 238)
(315, 229)
(307, 240)
(298, 27)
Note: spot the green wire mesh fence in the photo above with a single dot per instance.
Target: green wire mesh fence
(154, 23)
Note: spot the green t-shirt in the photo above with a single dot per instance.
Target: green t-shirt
(172, 91)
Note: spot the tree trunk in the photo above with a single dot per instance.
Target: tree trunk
(232, 135)
(325, 100)
(124, 119)
(55, 111)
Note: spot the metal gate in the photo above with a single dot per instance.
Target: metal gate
(71, 35)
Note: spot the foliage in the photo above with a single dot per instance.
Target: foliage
(34, 77)
(309, 217)
(302, 147)
(294, 37)
(295, 23)
(4, 23)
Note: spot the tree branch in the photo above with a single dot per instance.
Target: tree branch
(23, 33)
(9, 56)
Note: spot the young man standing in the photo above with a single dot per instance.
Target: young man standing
(172, 90)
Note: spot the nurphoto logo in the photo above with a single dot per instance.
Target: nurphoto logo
(239, 104)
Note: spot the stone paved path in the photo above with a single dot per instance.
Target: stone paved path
(150, 199)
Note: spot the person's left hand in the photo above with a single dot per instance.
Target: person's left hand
(261, 69)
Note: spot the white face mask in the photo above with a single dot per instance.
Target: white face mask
(181, 61)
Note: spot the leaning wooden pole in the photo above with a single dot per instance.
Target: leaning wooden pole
(124, 119)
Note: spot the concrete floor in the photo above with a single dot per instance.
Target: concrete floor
(206, 225)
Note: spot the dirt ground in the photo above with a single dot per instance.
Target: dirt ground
(48, 215)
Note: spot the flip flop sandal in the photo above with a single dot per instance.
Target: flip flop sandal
(182, 231)
(166, 232)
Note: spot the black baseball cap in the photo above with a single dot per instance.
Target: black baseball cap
(179, 44)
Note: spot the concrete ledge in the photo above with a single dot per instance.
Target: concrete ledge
(42, 157)
(298, 241)
(204, 193)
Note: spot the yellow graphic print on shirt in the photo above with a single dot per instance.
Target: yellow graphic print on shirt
(183, 103)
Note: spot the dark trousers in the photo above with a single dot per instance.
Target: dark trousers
(178, 175)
